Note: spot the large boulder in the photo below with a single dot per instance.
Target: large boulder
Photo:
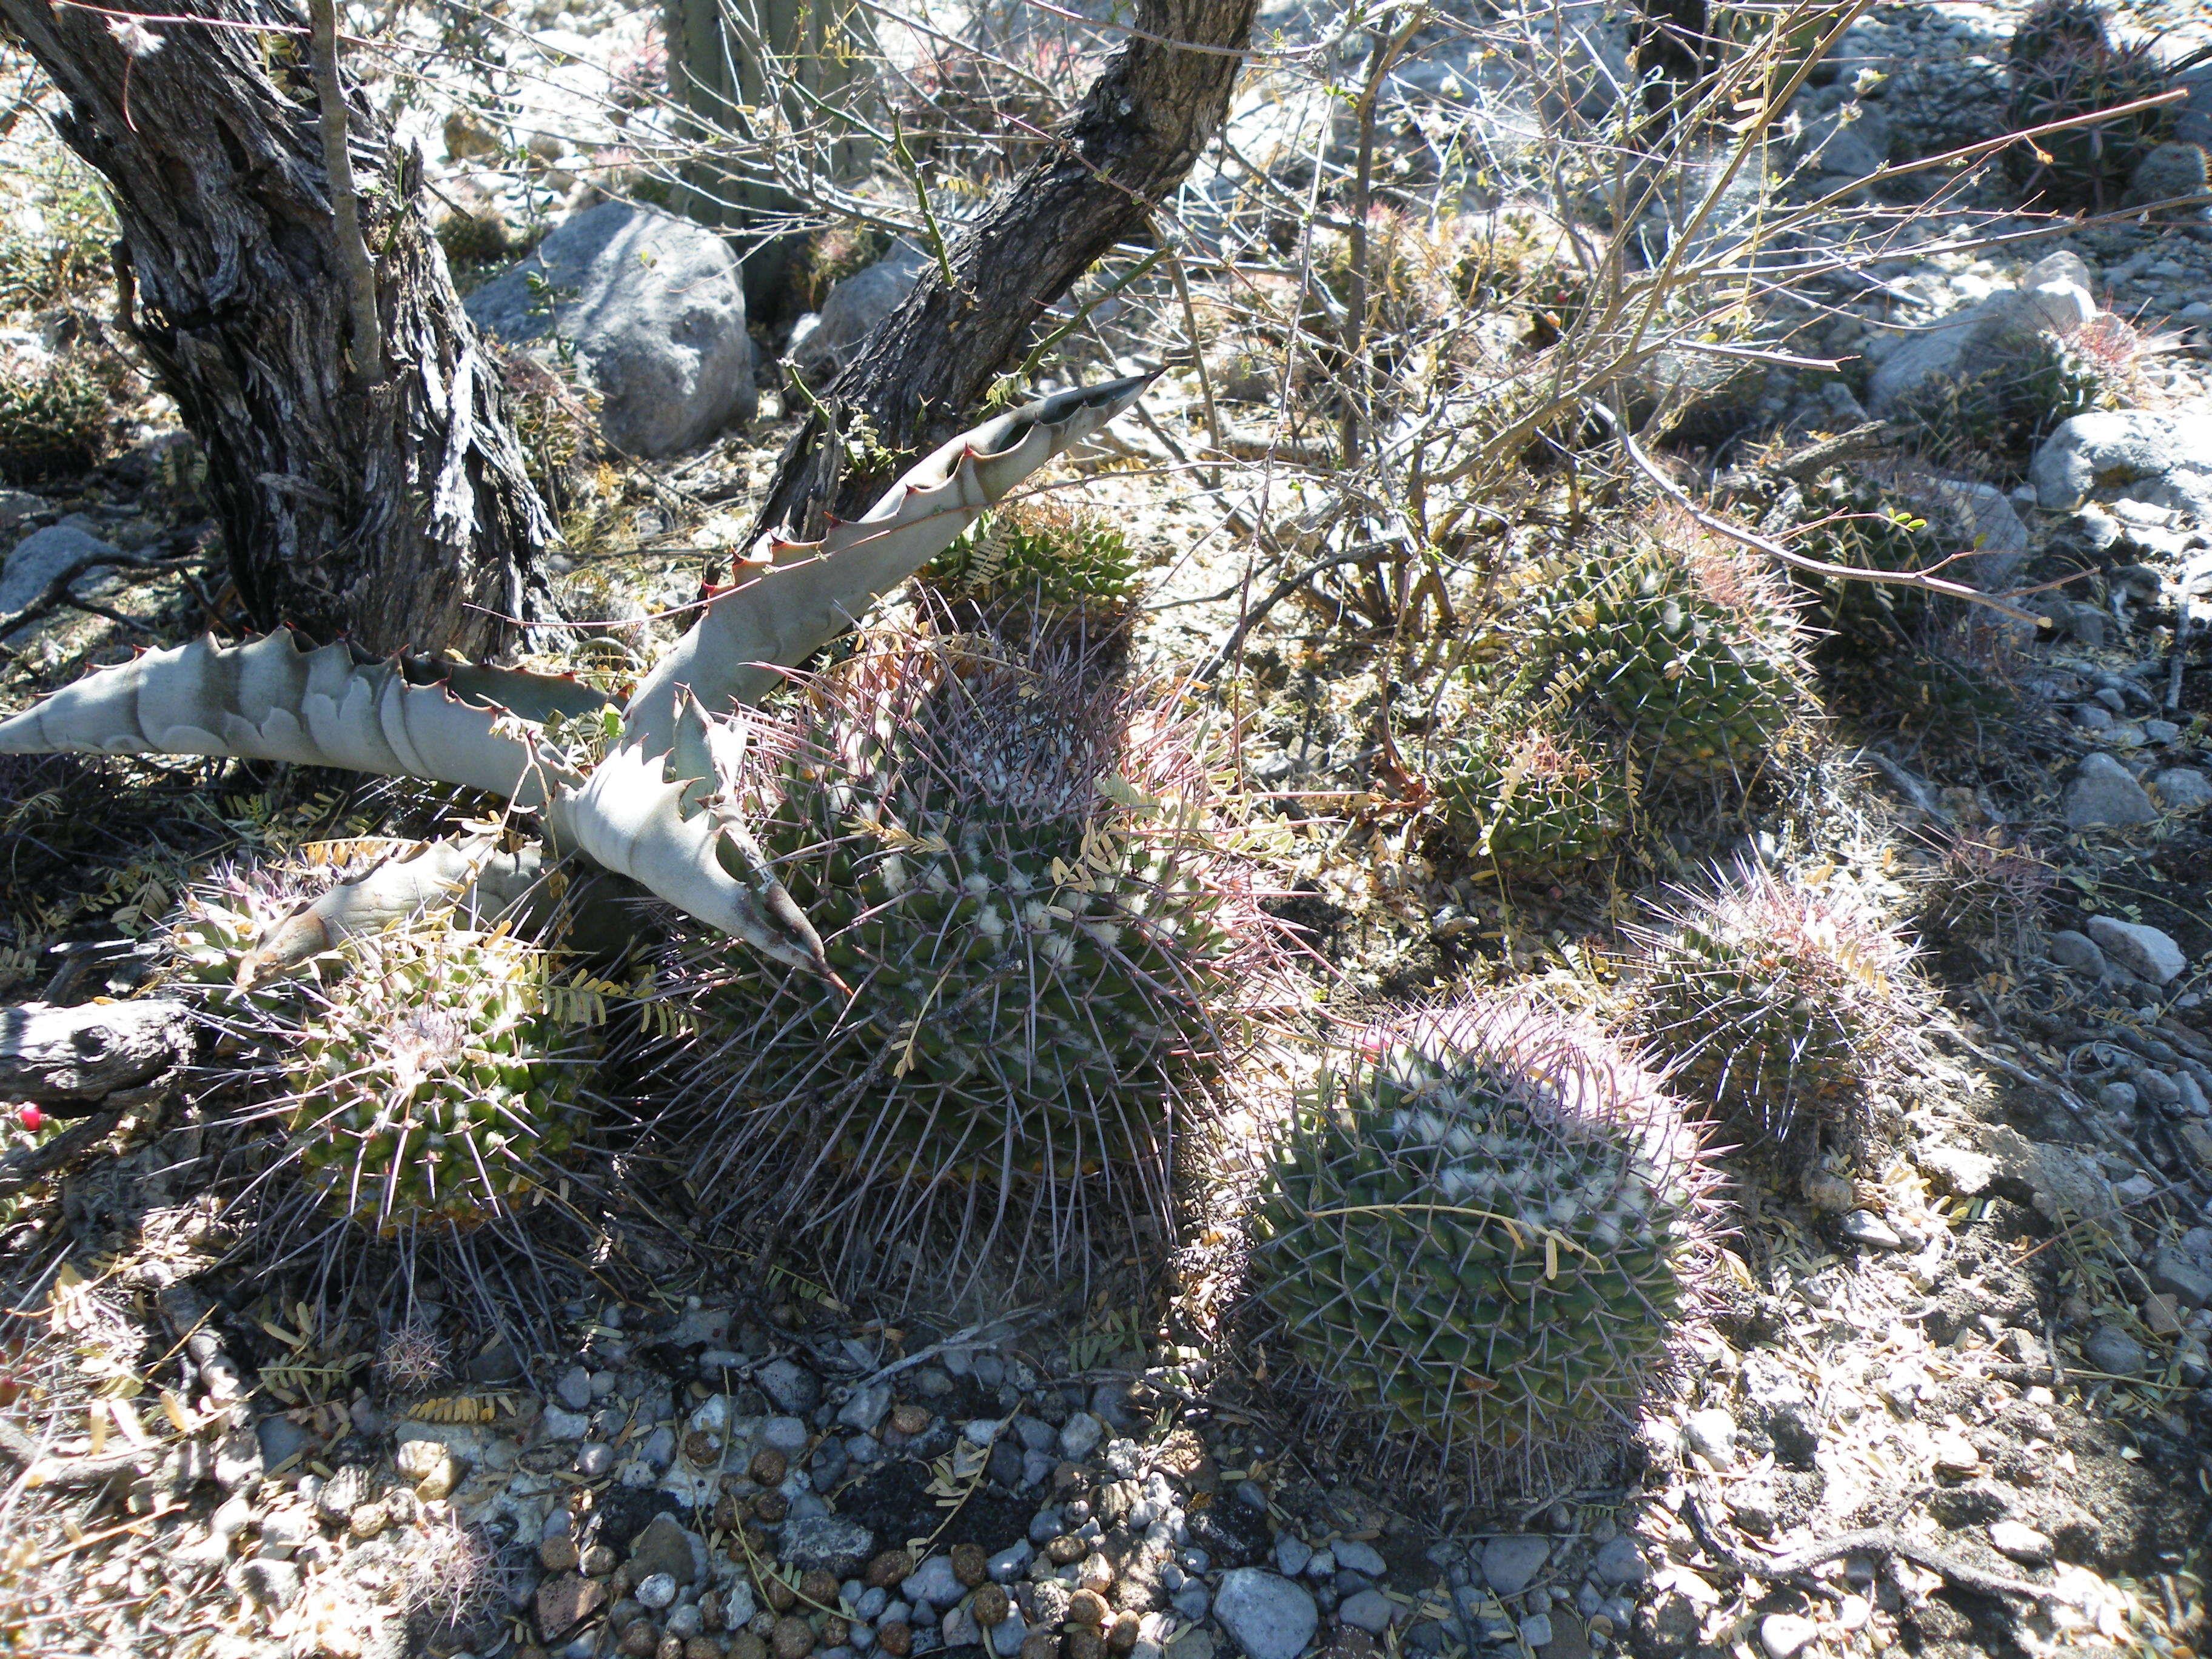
(2163, 459)
(2053, 294)
(824, 343)
(655, 309)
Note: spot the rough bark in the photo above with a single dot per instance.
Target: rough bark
(392, 510)
(61, 1056)
(1141, 127)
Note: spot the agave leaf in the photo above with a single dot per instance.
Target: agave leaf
(805, 594)
(278, 699)
(631, 817)
(486, 883)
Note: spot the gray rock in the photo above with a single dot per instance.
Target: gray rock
(2053, 293)
(594, 1458)
(1851, 139)
(1369, 1611)
(238, 1461)
(2104, 795)
(284, 1531)
(2144, 951)
(575, 1388)
(788, 1435)
(656, 312)
(854, 306)
(2023, 1543)
(933, 1582)
(795, 1389)
(1079, 1435)
(2165, 460)
(2076, 950)
(1265, 1613)
(1536, 1631)
(2182, 789)
(1359, 1557)
(1786, 1635)
(17, 505)
(1619, 1562)
(1869, 1231)
(559, 1424)
(1986, 519)
(281, 1438)
(44, 555)
(1510, 1564)
(660, 1448)
(1293, 1554)
(2175, 1275)
(833, 1543)
(276, 1584)
(2111, 1350)
(656, 1590)
(2094, 717)
(1710, 1433)
(1008, 1634)
(866, 1407)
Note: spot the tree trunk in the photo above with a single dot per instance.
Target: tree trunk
(392, 510)
(1141, 126)
(771, 72)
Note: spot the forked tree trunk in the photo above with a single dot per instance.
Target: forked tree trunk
(391, 510)
(1141, 127)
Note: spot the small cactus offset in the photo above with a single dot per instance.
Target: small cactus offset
(2064, 62)
(1684, 646)
(1486, 1229)
(1772, 1002)
(431, 1087)
(1527, 793)
(1022, 875)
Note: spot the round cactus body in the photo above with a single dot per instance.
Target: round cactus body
(1527, 794)
(219, 922)
(1485, 1228)
(1773, 1001)
(1685, 646)
(1022, 875)
(431, 1086)
(2062, 63)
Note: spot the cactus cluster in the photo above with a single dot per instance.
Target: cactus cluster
(1686, 649)
(2063, 62)
(1484, 1228)
(2028, 381)
(1773, 1001)
(1021, 873)
(53, 415)
(431, 1088)
(1526, 793)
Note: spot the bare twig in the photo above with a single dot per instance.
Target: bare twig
(345, 205)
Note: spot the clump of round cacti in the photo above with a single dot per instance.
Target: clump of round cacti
(2063, 62)
(208, 942)
(53, 417)
(1025, 875)
(2026, 382)
(1682, 644)
(1527, 793)
(1485, 1229)
(1773, 1002)
(432, 1086)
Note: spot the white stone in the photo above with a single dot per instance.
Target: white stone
(1786, 1635)
(2144, 951)
(1267, 1615)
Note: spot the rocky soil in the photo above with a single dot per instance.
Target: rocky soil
(1955, 1397)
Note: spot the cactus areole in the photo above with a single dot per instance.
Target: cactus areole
(651, 808)
(1484, 1230)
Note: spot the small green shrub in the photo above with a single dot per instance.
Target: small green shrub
(1042, 558)
(54, 416)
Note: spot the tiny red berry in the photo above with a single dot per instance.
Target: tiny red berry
(33, 1119)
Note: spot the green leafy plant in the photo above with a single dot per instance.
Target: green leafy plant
(53, 417)
(1773, 1001)
(1485, 1229)
(1040, 558)
(1682, 646)
(1047, 946)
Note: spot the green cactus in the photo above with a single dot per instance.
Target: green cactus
(53, 418)
(219, 922)
(2029, 381)
(431, 1085)
(1050, 948)
(1772, 1002)
(1486, 1229)
(1685, 648)
(2062, 63)
(1851, 521)
(1525, 792)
